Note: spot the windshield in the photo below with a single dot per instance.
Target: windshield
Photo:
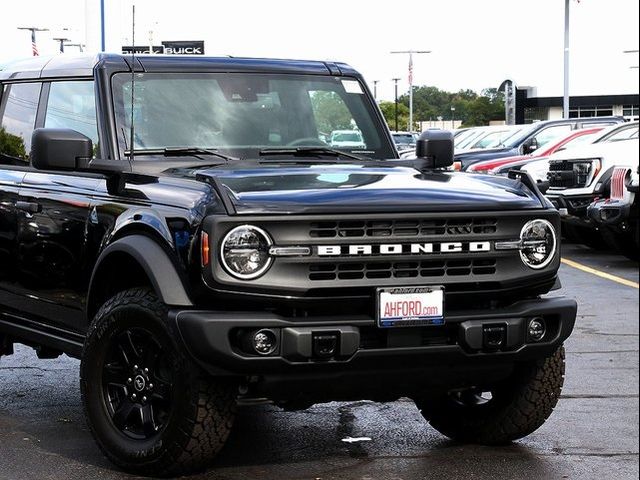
(241, 114)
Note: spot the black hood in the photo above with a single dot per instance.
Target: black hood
(353, 188)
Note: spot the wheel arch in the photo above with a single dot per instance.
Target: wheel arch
(139, 260)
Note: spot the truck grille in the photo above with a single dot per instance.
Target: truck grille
(379, 270)
(403, 228)
(570, 174)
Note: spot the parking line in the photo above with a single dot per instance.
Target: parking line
(593, 271)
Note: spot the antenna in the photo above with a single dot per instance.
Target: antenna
(133, 79)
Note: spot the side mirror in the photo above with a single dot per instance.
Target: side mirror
(436, 146)
(529, 146)
(60, 149)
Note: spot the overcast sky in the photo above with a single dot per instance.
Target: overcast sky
(474, 43)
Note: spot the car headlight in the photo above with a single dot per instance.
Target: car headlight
(538, 243)
(245, 252)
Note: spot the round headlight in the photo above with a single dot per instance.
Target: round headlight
(245, 252)
(539, 243)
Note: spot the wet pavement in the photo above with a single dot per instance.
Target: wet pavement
(593, 433)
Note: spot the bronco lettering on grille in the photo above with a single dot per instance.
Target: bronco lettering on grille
(401, 249)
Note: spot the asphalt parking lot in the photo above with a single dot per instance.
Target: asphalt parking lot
(593, 434)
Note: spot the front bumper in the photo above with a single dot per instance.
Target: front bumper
(572, 208)
(609, 212)
(216, 340)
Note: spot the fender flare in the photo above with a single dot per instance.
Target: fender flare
(155, 262)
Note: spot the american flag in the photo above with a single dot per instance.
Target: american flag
(34, 47)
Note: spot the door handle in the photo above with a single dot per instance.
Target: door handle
(29, 207)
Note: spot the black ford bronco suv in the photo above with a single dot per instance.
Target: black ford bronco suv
(186, 230)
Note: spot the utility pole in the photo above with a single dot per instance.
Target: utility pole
(61, 40)
(395, 80)
(411, 52)
(34, 48)
(565, 100)
(375, 89)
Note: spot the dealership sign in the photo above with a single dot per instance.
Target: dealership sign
(180, 47)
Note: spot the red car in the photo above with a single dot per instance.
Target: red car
(574, 138)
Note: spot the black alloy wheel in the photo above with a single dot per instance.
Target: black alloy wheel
(137, 382)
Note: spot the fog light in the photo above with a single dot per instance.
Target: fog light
(537, 329)
(265, 342)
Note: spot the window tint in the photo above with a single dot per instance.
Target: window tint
(72, 105)
(19, 105)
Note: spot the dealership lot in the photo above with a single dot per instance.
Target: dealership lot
(592, 434)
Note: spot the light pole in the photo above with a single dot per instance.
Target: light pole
(34, 48)
(375, 89)
(631, 51)
(61, 40)
(411, 52)
(395, 80)
(79, 45)
(565, 99)
(453, 109)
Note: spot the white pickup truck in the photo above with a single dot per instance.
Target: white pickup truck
(582, 175)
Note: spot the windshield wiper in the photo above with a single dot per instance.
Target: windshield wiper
(311, 151)
(184, 152)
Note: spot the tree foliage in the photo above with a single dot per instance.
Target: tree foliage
(12, 145)
(330, 111)
(430, 104)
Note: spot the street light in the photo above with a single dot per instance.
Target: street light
(375, 89)
(395, 80)
(62, 44)
(565, 97)
(411, 52)
(453, 109)
(34, 48)
(79, 45)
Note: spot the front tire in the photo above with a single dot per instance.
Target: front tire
(149, 407)
(502, 413)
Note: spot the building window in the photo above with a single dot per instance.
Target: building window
(535, 114)
(630, 112)
(588, 111)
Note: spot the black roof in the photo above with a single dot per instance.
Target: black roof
(85, 64)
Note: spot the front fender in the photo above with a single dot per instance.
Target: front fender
(155, 262)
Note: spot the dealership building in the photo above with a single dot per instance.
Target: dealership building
(530, 108)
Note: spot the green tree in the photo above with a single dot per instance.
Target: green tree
(330, 111)
(12, 145)
(389, 111)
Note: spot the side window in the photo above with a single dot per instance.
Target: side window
(19, 106)
(72, 105)
(551, 133)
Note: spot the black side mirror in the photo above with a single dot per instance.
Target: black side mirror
(529, 146)
(60, 149)
(436, 147)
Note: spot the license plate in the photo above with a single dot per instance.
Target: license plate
(410, 306)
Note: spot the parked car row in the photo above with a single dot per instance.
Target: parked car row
(588, 168)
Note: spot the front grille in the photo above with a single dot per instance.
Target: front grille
(403, 228)
(570, 174)
(406, 269)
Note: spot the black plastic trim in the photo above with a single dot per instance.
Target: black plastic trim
(157, 265)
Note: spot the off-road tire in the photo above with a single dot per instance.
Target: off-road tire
(518, 406)
(202, 409)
